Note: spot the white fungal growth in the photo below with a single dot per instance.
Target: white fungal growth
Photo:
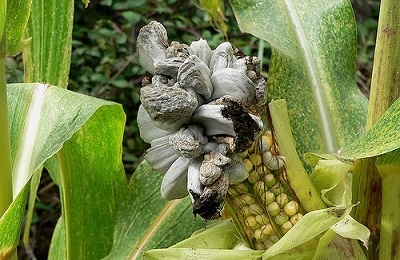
(195, 115)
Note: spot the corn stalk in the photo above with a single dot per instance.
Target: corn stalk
(372, 186)
(5, 155)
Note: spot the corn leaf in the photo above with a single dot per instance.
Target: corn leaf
(48, 56)
(382, 138)
(11, 223)
(146, 220)
(312, 67)
(17, 17)
(90, 174)
(42, 118)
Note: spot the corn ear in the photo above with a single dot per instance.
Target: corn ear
(263, 204)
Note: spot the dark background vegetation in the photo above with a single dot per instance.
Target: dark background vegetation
(104, 64)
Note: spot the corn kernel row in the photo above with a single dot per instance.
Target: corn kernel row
(261, 205)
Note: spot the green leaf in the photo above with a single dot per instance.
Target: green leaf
(146, 220)
(10, 224)
(310, 225)
(312, 67)
(17, 16)
(41, 119)
(34, 185)
(90, 174)
(57, 247)
(382, 138)
(350, 228)
(329, 177)
(48, 57)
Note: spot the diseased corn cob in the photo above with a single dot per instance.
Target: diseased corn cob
(263, 206)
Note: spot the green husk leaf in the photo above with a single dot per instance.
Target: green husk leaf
(350, 228)
(313, 158)
(382, 138)
(329, 177)
(220, 235)
(304, 189)
(200, 254)
(311, 225)
(342, 248)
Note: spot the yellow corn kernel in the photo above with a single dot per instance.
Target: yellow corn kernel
(241, 188)
(286, 227)
(259, 188)
(256, 209)
(253, 177)
(277, 188)
(256, 159)
(268, 244)
(267, 138)
(291, 208)
(262, 169)
(248, 199)
(246, 210)
(274, 238)
(281, 218)
(252, 222)
(248, 164)
(296, 218)
(268, 197)
(268, 230)
(258, 234)
(262, 219)
(274, 208)
(270, 180)
(259, 245)
(282, 199)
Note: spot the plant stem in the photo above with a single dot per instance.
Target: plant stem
(389, 169)
(5, 150)
(390, 224)
(385, 89)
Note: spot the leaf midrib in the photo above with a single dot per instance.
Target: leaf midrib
(24, 155)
